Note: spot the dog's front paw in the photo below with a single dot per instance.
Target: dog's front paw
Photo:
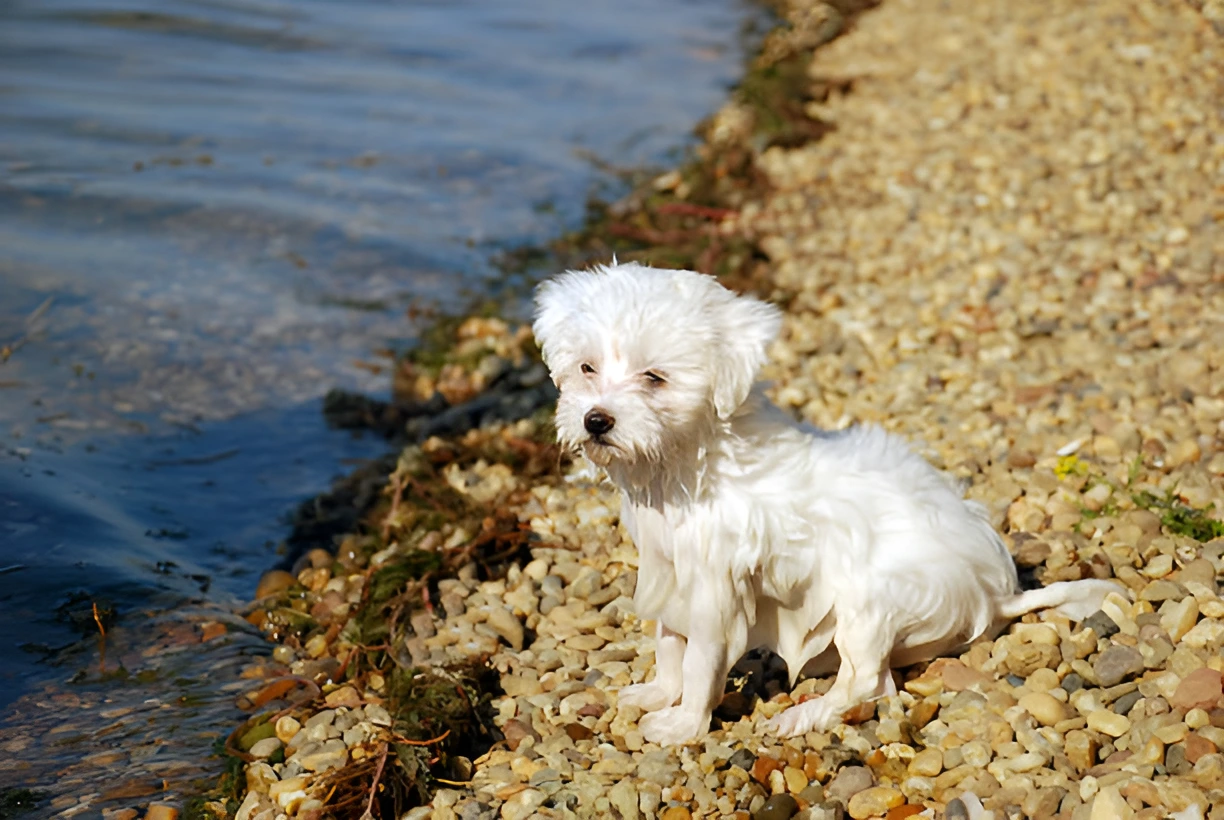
(649, 697)
(674, 725)
(812, 716)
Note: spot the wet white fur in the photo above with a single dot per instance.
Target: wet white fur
(827, 548)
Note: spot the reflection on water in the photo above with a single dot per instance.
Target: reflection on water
(212, 211)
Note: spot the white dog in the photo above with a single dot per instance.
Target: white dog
(754, 531)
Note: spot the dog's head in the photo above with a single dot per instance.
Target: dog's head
(646, 359)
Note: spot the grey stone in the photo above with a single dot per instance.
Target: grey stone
(955, 810)
(1101, 624)
(743, 758)
(849, 782)
(1072, 683)
(1116, 664)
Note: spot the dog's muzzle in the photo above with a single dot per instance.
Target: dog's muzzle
(597, 422)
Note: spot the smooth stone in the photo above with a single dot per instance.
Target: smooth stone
(874, 801)
(1045, 708)
(743, 758)
(927, 763)
(1175, 760)
(523, 805)
(508, 627)
(266, 748)
(1109, 805)
(1081, 749)
(1108, 723)
(1073, 682)
(1201, 689)
(160, 811)
(777, 807)
(274, 582)
(1101, 624)
(1124, 704)
(624, 797)
(1116, 664)
(329, 754)
(849, 781)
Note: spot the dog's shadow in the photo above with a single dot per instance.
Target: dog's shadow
(759, 675)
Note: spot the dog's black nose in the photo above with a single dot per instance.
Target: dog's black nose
(597, 422)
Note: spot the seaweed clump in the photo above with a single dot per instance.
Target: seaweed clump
(354, 618)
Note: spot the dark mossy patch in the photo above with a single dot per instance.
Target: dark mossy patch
(1180, 518)
(15, 802)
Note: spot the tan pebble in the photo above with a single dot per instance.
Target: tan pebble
(1081, 749)
(1108, 723)
(874, 802)
(160, 811)
(796, 780)
(1109, 805)
(344, 696)
(585, 643)
(1152, 753)
(1036, 633)
(927, 763)
(1173, 733)
(510, 628)
(1186, 451)
(1197, 719)
(924, 686)
(272, 582)
(676, 813)
(1160, 566)
(777, 782)
(1206, 633)
(1179, 620)
(1044, 707)
(286, 727)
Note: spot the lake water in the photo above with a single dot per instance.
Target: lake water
(212, 211)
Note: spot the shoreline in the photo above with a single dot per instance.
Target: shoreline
(965, 262)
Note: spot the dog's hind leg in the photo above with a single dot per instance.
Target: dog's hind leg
(864, 644)
(667, 685)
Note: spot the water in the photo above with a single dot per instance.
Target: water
(212, 211)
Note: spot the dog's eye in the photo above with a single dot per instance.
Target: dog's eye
(653, 377)
(586, 368)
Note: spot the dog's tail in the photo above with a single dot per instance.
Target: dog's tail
(1073, 599)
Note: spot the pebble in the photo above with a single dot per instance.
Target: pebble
(523, 804)
(507, 626)
(874, 802)
(1045, 708)
(1201, 689)
(1108, 723)
(1116, 664)
(848, 782)
(777, 807)
(266, 747)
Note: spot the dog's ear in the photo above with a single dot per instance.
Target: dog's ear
(747, 326)
(554, 309)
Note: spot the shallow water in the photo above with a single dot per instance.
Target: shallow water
(212, 211)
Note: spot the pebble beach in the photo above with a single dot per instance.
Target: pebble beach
(1006, 246)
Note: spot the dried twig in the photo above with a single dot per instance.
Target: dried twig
(382, 761)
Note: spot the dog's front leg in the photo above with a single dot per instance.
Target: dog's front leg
(667, 685)
(704, 673)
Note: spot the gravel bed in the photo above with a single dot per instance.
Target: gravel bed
(1007, 249)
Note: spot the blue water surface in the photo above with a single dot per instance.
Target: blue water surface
(212, 211)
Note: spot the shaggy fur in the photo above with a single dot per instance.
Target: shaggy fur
(754, 531)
